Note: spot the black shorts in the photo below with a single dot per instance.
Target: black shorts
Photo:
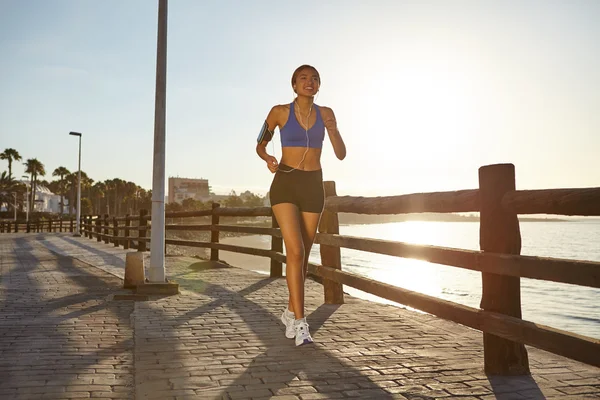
(302, 188)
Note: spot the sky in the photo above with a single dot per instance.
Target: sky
(425, 92)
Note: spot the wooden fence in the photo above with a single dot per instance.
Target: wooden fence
(505, 333)
(50, 225)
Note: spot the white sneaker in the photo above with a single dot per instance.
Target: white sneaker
(302, 333)
(288, 321)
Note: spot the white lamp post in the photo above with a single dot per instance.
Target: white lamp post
(77, 229)
(156, 272)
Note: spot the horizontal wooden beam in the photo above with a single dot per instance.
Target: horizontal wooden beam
(576, 347)
(243, 211)
(583, 273)
(584, 202)
(248, 229)
(187, 214)
(228, 247)
(442, 202)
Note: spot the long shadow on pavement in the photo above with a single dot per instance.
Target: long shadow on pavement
(51, 340)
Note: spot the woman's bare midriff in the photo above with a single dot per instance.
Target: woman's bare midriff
(292, 156)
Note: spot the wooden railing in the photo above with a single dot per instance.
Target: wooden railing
(505, 334)
(50, 225)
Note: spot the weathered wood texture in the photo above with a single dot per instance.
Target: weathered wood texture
(126, 232)
(142, 226)
(116, 242)
(224, 228)
(229, 247)
(446, 202)
(577, 347)
(98, 229)
(276, 267)
(585, 201)
(244, 211)
(214, 235)
(499, 233)
(188, 214)
(331, 255)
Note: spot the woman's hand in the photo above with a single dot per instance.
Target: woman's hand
(272, 164)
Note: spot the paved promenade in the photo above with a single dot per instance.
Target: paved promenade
(63, 336)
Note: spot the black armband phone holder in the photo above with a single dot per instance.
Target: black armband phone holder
(265, 133)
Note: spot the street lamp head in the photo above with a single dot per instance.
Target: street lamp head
(75, 134)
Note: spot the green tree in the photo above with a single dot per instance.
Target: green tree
(233, 200)
(61, 172)
(35, 168)
(86, 206)
(173, 207)
(252, 200)
(8, 187)
(98, 194)
(10, 155)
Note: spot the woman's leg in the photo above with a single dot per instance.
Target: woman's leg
(290, 223)
(310, 223)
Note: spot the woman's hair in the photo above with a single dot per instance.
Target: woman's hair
(300, 68)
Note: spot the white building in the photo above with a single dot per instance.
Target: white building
(46, 201)
(186, 188)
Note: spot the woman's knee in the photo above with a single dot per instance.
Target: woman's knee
(295, 254)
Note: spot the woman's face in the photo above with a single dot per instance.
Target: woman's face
(307, 82)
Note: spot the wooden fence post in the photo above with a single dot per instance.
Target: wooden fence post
(499, 233)
(50, 225)
(126, 232)
(60, 225)
(330, 255)
(143, 222)
(1, 226)
(276, 245)
(28, 227)
(98, 229)
(115, 232)
(16, 226)
(105, 224)
(214, 235)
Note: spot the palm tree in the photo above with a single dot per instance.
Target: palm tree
(99, 190)
(130, 191)
(8, 186)
(35, 168)
(10, 155)
(61, 172)
(71, 187)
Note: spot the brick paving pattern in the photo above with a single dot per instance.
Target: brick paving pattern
(62, 337)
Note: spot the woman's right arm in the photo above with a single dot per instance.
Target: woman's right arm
(261, 148)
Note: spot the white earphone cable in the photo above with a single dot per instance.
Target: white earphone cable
(307, 140)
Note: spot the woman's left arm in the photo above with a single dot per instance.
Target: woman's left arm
(334, 134)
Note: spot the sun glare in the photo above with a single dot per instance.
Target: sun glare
(425, 105)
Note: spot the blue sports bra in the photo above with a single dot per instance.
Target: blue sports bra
(293, 135)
